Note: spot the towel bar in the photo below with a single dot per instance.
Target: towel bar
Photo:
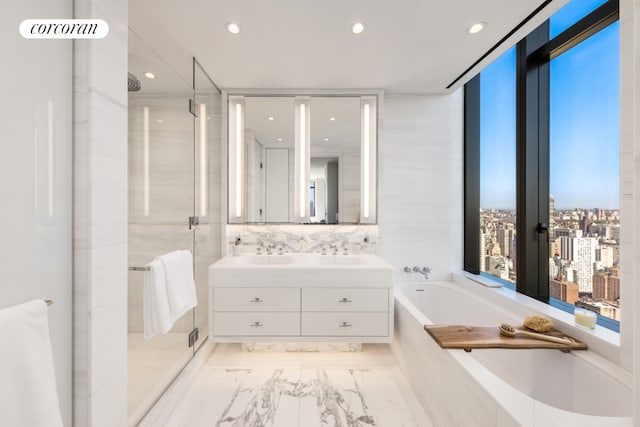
(139, 268)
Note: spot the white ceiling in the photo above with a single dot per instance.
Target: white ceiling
(408, 46)
(142, 59)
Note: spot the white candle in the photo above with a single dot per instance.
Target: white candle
(585, 318)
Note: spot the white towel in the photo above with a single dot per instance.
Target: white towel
(28, 394)
(181, 288)
(155, 301)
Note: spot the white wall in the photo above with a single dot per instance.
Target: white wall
(35, 171)
(420, 192)
(629, 186)
(100, 219)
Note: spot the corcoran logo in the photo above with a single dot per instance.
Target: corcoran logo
(64, 29)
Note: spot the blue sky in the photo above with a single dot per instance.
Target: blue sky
(584, 133)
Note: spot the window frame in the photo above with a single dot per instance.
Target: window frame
(533, 56)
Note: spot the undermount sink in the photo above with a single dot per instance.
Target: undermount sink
(301, 269)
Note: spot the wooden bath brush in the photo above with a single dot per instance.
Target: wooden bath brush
(509, 331)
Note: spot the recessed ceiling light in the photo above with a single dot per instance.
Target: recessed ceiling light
(160, 121)
(271, 118)
(149, 75)
(279, 139)
(326, 139)
(233, 28)
(477, 27)
(333, 119)
(357, 27)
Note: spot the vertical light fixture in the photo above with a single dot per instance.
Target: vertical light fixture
(50, 156)
(368, 158)
(145, 159)
(238, 165)
(302, 119)
(365, 167)
(203, 159)
(302, 156)
(236, 154)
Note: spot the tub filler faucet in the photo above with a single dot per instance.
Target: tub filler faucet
(423, 270)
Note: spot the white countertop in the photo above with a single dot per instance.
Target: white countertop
(301, 270)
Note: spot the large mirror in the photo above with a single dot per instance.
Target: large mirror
(302, 159)
(269, 159)
(334, 194)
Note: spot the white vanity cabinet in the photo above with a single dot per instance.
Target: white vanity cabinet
(344, 312)
(300, 300)
(256, 312)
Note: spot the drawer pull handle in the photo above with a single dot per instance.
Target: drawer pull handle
(345, 300)
(345, 325)
(257, 299)
(256, 325)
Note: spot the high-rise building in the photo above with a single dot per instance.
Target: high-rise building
(615, 233)
(504, 235)
(483, 249)
(585, 258)
(552, 215)
(560, 288)
(606, 285)
(581, 252)
(496, 266)
(604, 257)
(554, 247)
(585, 223)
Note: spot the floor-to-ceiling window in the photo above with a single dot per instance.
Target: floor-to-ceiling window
(498, 168)
(584, 135)
(547, 113)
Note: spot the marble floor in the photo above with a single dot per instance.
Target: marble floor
(237, 388)
(152, 365)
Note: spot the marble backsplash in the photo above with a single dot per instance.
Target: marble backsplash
(356, 239)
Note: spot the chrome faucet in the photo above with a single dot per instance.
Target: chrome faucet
(335, 249)
(423, 270)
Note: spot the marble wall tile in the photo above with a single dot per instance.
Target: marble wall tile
(171, 157)
(100, 219)
(629, 185)
(420, 196)
(304, 238)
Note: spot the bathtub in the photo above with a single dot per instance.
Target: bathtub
(497, 387)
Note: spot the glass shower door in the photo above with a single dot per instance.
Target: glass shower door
(207, 234)
(161, 201)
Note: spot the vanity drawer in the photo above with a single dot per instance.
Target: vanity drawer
(345, 324)
(345, 299)
(256, 299)
(256, 324)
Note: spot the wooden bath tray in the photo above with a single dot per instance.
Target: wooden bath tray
(470, 337)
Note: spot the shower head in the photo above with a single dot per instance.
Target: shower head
(133, 84)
